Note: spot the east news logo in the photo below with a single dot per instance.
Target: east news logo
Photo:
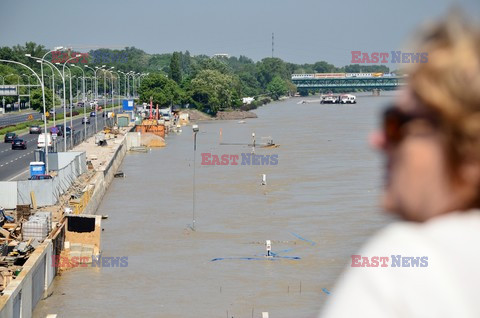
(385, 261)
(247, 159)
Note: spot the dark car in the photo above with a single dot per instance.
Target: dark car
(60, 130)
(93, 114)
(86, 120)
(19, 144)
(40, 177)
(80, 104)
(35, 129)
(69, 131)
(9, 137)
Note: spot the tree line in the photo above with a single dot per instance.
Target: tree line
(207, 83)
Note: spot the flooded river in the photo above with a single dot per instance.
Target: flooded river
(319, 206)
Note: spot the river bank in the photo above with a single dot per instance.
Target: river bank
(196, 115)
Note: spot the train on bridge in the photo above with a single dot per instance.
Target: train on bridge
(340, 75)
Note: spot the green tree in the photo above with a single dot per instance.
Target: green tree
(211, 90)
(277, 87)
(37, 100)
(324, 67)
(268, 68)
(163, 90)
(175, 72)
(186, 63)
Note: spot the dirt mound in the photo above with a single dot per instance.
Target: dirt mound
(235, 115)
(152, 140)
(196, 115)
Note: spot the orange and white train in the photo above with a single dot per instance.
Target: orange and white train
(340, 75)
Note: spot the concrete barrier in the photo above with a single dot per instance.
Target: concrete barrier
(8, 194)
(103, 178)
(47, 192)
(23, 293)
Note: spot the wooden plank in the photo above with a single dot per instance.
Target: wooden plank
(34, 201)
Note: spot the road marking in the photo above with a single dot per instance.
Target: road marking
(18, 175)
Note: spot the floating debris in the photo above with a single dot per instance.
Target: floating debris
(139, 149)
(119, 174)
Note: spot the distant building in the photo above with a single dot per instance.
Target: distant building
(221, 55)
(247, 100)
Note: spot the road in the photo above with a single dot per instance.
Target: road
(14, 164)
(15, 117)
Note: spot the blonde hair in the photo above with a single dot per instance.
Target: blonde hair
(449, 84)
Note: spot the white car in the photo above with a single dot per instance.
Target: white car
(41, 140)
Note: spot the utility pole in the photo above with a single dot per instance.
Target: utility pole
(273, 42)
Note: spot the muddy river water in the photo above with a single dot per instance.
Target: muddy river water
(320, 204)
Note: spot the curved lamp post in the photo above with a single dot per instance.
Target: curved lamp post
(44, 108)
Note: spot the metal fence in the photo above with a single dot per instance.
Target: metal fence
(79, 135)
(48, 191)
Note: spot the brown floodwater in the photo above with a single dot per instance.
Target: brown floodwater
(319, 206)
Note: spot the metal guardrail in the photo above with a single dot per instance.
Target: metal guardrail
(77, 138)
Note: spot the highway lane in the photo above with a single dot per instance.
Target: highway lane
(14, 164)
(15, 118)
(11, 118)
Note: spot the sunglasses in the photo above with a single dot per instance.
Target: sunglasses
(394, 121)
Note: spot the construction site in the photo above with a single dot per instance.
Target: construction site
(50, 225)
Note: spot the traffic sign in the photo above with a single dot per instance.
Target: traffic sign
(30, 117)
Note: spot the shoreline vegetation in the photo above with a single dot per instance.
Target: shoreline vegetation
(196, 115)
(209, 84)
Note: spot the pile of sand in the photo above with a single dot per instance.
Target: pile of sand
(196, 115)
(235, 115)
(152, 140)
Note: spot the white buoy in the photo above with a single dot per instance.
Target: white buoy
(268, 247)
(264, 179)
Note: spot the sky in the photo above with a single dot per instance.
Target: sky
(305, 31)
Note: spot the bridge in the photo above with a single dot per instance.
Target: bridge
(366, 83)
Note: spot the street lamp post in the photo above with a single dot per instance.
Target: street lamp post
(65, 103)
(71, 108)
(44, 108)
(119, 90)
(53, 82)
(29, 96)
(96, 92)
(105, 91)
(125, 87)
(41, 61)
(18, 88)
(84, 104)
(195, 131)
(3, 97)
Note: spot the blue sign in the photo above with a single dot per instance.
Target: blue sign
(128, 104)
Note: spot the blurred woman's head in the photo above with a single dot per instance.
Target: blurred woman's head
(431, 135)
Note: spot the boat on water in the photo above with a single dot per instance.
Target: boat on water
(338, 99)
